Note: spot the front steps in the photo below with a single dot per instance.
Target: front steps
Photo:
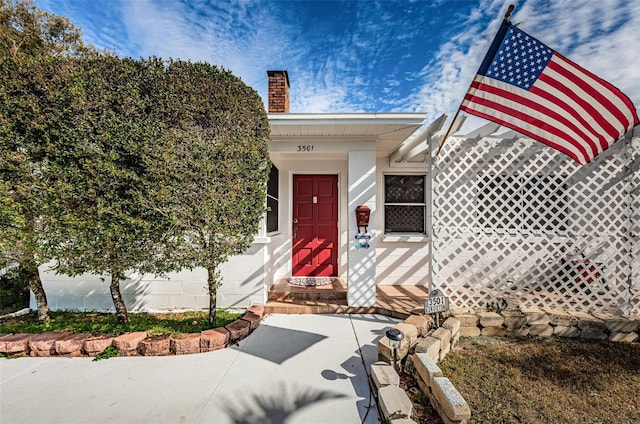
(395, 301)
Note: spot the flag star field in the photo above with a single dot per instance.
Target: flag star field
(520, 60)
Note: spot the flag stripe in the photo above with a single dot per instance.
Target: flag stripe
(508, 121)
(588, 99)
(559, 122)
(608, 95)
(555, 123)
(573, 108)
(527, 121)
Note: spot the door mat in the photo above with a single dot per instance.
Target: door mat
(310, 281)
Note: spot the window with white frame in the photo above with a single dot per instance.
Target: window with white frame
(272, 201)
(404, 204)
(523, 202)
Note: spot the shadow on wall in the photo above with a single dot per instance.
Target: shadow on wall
(363, 190)
(88, 292)
(278, 261)
(242, 291)
(410, 267)
(135, 292)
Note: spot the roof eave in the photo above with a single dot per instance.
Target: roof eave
(406, 118)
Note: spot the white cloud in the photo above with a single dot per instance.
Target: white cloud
(602, 37)
(362, 56)
(446, 78)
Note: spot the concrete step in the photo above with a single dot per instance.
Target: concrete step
(282, 291)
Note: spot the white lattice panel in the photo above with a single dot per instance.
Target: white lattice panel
(517, 220)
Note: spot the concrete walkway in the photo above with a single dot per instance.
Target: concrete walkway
(292, 369)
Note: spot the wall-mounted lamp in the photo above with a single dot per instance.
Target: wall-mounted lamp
(395, 337)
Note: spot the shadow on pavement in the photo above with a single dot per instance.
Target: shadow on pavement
(356, 368)
(283, 343)
(277, 406)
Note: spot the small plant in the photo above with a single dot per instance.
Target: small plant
(499, 305)
(14, 356)
(109, 352)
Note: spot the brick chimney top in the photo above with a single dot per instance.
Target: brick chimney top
(278, 92)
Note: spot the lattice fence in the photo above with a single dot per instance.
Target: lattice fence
(516, 220)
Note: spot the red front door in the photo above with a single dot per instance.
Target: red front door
(315, 225)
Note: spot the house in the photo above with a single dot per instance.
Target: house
(325, 166)
(494, 219)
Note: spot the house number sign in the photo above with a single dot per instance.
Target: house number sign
(436, 303)
(305, 147)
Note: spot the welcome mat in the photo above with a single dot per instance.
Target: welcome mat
(310, 281)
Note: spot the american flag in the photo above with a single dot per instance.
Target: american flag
(526, 86)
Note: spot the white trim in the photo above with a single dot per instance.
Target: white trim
(416, 143)
(289, 144)
(405, 238)
(345, 118)
(425, 205)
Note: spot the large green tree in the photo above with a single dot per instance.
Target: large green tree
(212, 184)
(33, 45)
(105, 226)
(109, 165)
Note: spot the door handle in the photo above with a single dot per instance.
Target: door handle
(295, 228)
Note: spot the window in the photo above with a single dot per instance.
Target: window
(523, 202)
(404, 204)
(272, 200)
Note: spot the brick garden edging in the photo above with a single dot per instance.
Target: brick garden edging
(425, 347)
(132, 344)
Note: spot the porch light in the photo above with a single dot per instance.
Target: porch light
(395, 337)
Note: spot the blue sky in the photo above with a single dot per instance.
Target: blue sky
(361, 56)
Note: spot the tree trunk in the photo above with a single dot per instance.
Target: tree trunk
(118, 302)
(213, 295)
(29, 271)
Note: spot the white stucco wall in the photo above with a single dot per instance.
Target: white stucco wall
(361, 286)
(244, 285)
(177, 291)
(244, 282)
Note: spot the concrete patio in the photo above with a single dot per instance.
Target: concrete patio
(292, 368)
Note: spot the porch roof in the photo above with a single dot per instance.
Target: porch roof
(389, 130)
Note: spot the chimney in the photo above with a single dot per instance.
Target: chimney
(278, 92)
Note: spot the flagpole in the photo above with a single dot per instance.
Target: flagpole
(506, 18)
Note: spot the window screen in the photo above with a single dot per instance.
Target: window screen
(272, 200)
(405, 204)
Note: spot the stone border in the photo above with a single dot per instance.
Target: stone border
(424, 347)
(131, 344)
(547, 322)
